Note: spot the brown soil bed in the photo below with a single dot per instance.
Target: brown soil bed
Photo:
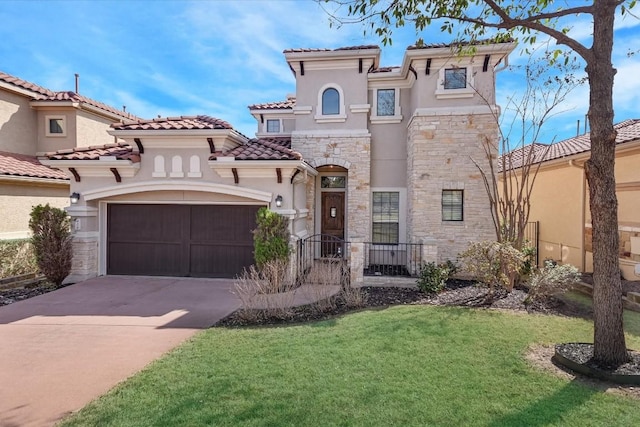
(457, 293)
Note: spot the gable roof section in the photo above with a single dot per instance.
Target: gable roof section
(262, 149)
(120, 151)
(174, 123)
(42, 94)
(20, 165)
(628, 131)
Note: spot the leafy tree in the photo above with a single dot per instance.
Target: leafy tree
(475, 19)
(51, 238)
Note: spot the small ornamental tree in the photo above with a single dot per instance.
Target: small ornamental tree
(51, 241)
(270, 238)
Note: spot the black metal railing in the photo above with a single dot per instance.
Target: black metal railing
(320, 247)
(401, 259)
(532, 235)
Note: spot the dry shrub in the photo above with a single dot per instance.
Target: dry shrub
(267, 292)
(17, 257)
(354, 297)
(496, 264)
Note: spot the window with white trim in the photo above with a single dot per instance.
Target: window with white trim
(273, 126)
(386, 102)
(386, 217)
(452, 205)
(330, 101)
(455, 78)
(55, 126)
(455, 82)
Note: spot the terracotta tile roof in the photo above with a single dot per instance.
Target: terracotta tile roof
(43, 94)
(262, 149)
(278, 105)
(628, 130)
(40, 91)
(75, 97)
(12, 164)
(174, 123)
(361, 47)
(120, 151)
(459, 44)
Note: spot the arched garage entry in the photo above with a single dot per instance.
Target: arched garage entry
(154, 236)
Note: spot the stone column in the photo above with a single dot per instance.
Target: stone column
(85, 234)
(356, 264)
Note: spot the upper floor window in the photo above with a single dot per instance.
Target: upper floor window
(330, 101)
(452, 205)
(273, 126)
(455, 78)
(55, 126)
(386, 102)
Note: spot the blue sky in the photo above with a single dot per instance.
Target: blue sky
(173, 58)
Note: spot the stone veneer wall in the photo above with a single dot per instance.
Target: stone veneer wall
(354, 154)
(440, 149)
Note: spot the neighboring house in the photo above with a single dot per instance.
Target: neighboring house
(379, 157)
(35, 119)
(560, 199)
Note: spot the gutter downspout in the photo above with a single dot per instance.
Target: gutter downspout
(583, 214)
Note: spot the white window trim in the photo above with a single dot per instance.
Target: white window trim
(47, 128)
(265, 128)
(396, 118)
(402, 215)
(467, 92)
(341, 117)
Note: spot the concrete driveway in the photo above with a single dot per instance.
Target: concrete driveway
(60, 350)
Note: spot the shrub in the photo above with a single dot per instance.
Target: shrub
(433, 278)
(51, 241)
(551, 279)
(17, 257)
(495, 264)
(270, 238)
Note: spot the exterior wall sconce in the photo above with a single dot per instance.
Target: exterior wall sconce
(74, 197)
(279, 201)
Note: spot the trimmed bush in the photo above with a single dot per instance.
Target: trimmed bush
(433, 278)
(496, 264)
(270, 238)
(51, 241)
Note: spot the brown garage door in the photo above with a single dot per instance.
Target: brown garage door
(179, 240)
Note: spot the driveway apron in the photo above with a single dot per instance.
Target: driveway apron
(61, 350)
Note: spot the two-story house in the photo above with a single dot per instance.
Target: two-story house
(35, 119)
(374, 156)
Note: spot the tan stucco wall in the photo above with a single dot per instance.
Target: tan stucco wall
(53, 143)
(17, 200)
(17, 124)
(556, 202)
(92, 129)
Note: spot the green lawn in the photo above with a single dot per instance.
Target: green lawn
(409, 365)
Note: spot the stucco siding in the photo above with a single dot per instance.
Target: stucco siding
(92, 130)
(17, 124)
(16, 202)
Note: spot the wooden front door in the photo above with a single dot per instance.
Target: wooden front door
(332, 222)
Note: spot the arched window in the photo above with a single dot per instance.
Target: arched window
(330, 101)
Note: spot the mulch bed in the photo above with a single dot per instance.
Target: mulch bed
(461, 293)
(11, 295)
